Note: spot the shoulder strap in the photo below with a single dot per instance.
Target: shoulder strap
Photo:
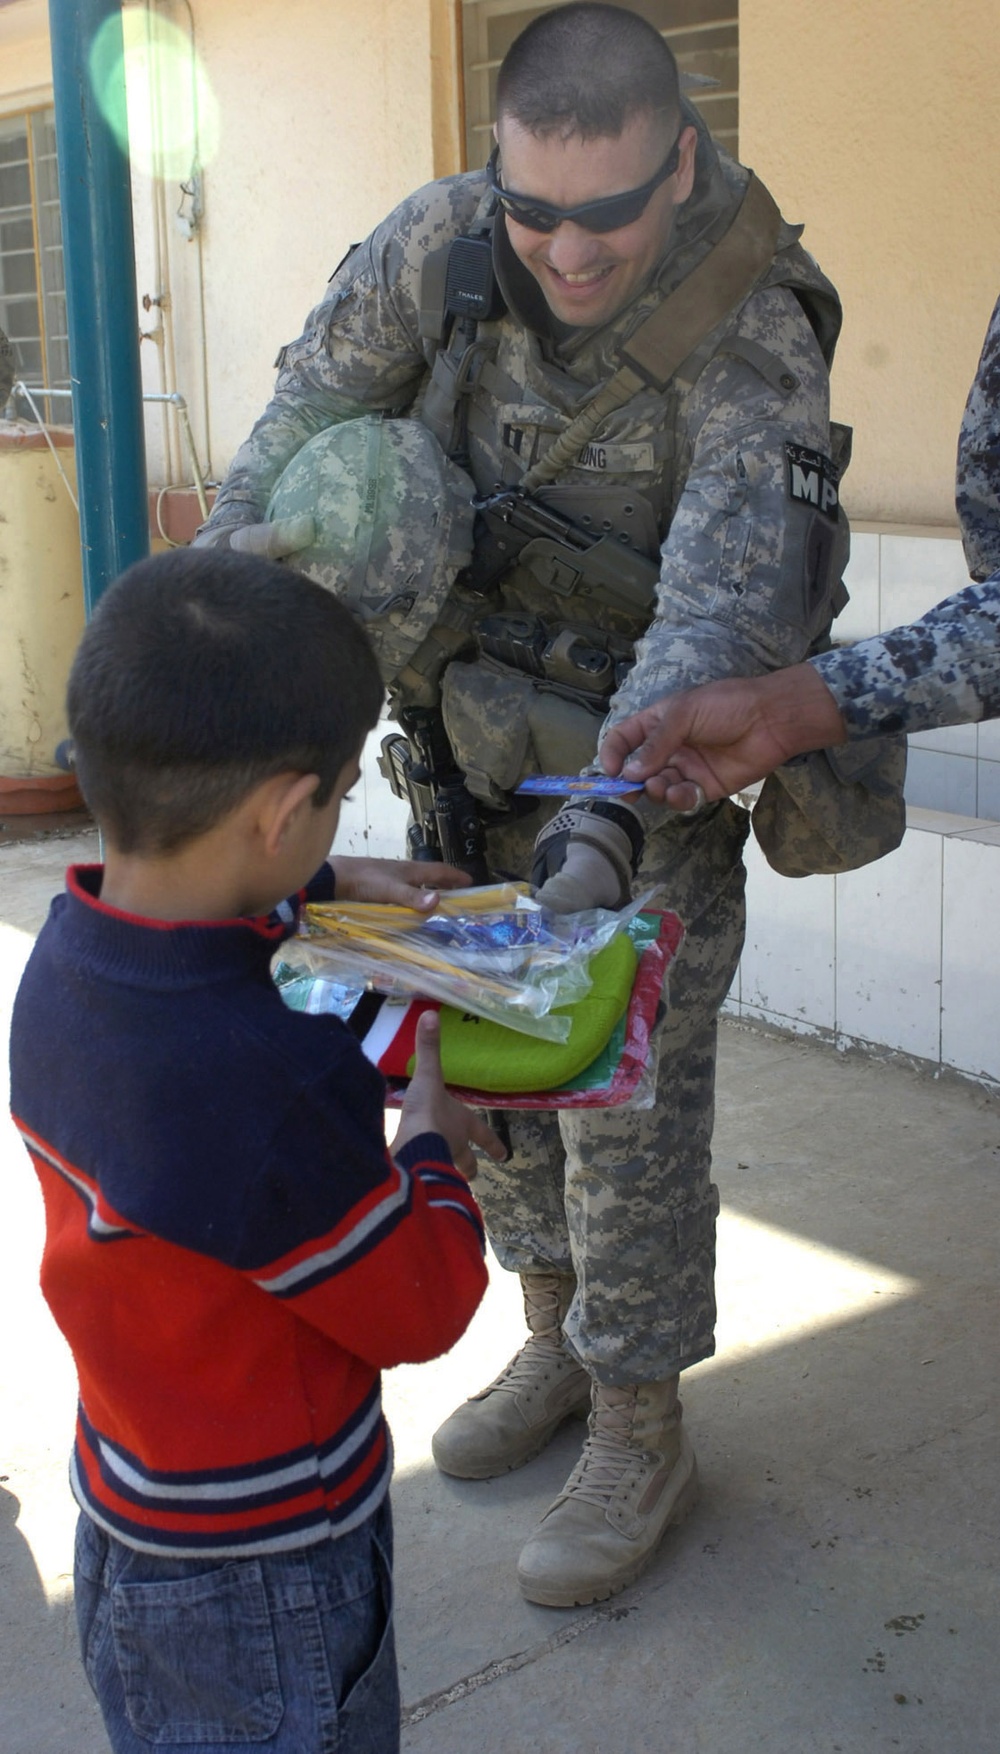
(719, 283)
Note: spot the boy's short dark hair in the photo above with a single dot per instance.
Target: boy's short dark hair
(587, 69)
(202, 674)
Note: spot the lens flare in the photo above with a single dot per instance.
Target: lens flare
(154, 93)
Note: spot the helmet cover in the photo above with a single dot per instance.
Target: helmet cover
(392, 520)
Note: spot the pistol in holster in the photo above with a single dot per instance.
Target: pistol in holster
(418, 763)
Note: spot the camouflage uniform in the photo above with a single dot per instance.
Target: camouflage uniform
(633, 1210)
(941, 670)
(977, 487)
(945, 668)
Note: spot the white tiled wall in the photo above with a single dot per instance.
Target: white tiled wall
(895, 576)
(970, 954)
(372, 821)
(902, 954)
(889, 950)
(788, 965)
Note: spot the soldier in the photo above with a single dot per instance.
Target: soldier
(656, 343)
(941, 670)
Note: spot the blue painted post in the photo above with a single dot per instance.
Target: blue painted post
(102, 318)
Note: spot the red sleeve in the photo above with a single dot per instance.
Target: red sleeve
(397, 1277)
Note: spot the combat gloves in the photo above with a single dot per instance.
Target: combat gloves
(268, 541)
(587, 857)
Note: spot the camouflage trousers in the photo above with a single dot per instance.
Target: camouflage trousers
(623, 1198)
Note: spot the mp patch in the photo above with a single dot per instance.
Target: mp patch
(812, 479)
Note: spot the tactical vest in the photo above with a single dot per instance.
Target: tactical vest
(504, 401)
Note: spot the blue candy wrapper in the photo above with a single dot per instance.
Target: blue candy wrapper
(568, 785)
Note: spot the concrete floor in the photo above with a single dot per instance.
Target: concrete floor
(835, 1592)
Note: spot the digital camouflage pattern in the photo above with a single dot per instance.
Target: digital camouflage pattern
(945, 668)
(941, 670)
(977, 490)
(633, 1211)
(711, 462)
(392, 521)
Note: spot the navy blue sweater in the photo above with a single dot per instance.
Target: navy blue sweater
(231, 1251)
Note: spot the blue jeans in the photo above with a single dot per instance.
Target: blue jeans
(288, 1653)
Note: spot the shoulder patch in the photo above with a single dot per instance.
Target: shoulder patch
(813, 479)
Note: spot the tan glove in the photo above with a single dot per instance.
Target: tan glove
(275, 541)
(586, 857)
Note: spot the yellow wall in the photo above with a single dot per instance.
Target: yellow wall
(877, 122)
(25, 66)
(326, 113)
(874, 121)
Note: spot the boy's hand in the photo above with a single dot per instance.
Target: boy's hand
(412, 883)
(428, 1108)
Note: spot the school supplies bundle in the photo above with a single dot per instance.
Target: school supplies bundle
(491, 951)
(602, 1059)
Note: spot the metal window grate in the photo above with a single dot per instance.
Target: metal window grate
(32, 283)
(704, 35)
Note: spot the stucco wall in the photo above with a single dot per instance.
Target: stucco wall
(326, 123)
(884, 138)
(878, 124)
(25, 64)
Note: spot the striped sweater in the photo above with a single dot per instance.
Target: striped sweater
(231, 1252)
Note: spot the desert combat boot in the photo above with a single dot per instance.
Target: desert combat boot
(512, 1420)
(636, 1477)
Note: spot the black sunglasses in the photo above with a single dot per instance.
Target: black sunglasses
(610, 213)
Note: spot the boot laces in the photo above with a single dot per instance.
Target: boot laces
(543, 1353)
(540, 1351)
(607, 1454)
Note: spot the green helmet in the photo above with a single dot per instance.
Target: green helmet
(392, 524)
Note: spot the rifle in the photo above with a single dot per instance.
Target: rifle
(420, 769)
(565, 557)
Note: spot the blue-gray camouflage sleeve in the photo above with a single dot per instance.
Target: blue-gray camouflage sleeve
(977, 486)
(941, 670)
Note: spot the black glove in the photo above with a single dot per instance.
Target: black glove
(587, 857)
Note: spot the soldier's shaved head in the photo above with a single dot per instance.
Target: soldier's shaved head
(588, 69)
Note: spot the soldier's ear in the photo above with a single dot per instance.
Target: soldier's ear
(684, 175)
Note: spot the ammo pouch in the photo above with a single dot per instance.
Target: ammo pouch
(503, 725)
(834, 809)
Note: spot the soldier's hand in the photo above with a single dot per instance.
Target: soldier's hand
(586, 857)
(268, 541)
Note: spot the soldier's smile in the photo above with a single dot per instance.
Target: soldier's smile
(579, 288)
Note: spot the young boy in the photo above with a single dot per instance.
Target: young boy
(231, 1251)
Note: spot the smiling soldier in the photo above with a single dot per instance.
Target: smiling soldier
(614, 317)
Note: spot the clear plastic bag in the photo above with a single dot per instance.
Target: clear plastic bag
(491, 951)
(624, 1073)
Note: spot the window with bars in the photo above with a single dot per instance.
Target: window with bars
(704, 36)
(32, 287)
